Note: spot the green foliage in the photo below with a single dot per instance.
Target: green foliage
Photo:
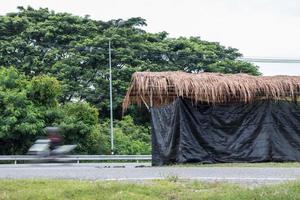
(130, 139)
(236, 67)
(44, 90)
(20, 120)
(65, 58)
(75, 50)
(10, 78)
(80, 126)
(27, 106)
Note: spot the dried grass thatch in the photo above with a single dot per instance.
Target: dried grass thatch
(158, 88)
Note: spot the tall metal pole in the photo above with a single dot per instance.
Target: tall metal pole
(111, 103)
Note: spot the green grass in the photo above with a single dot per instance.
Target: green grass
(162, 189)
(263, 164)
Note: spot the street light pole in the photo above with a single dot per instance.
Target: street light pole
(111, 103)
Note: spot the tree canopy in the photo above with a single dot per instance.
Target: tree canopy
(75, 50)
(29, 105)
(50, 60)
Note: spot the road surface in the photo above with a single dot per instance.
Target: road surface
(137, 172)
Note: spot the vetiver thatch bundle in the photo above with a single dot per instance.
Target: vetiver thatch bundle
(157, 88)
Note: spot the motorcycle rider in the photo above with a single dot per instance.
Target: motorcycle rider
(55, 140)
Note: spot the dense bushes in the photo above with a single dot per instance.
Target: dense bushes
(80, 126)
(44, 90)
(27, 106)
(129, 137)
(21, 120)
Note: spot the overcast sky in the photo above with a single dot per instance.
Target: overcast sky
(258, 28)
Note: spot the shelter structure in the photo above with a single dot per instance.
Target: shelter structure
(212, 117)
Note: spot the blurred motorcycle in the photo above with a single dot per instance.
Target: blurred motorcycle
(50, 148)
(41, 148)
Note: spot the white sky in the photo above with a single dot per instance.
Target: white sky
(258, 28)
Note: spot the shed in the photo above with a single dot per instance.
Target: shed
(213, 117)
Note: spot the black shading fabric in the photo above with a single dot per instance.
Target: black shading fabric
(257, 132)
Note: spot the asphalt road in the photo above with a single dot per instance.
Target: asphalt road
(139, 172)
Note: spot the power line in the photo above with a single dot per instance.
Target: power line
(269, 60)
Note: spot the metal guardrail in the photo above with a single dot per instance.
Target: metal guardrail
(78, 158)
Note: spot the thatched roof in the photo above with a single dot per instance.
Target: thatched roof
(157, 88)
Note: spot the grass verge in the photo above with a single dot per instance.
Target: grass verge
(160, 189)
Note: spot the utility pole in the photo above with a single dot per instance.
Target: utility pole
(111, 103)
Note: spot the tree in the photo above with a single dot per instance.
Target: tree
(44, 90)
(64, 58)
(80, 126)
(20, 120)
(29, 105)
(130, 138)
(74, 50)
(236, 67)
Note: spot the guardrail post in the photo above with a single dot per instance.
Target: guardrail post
(78, 161)
(15, 161)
